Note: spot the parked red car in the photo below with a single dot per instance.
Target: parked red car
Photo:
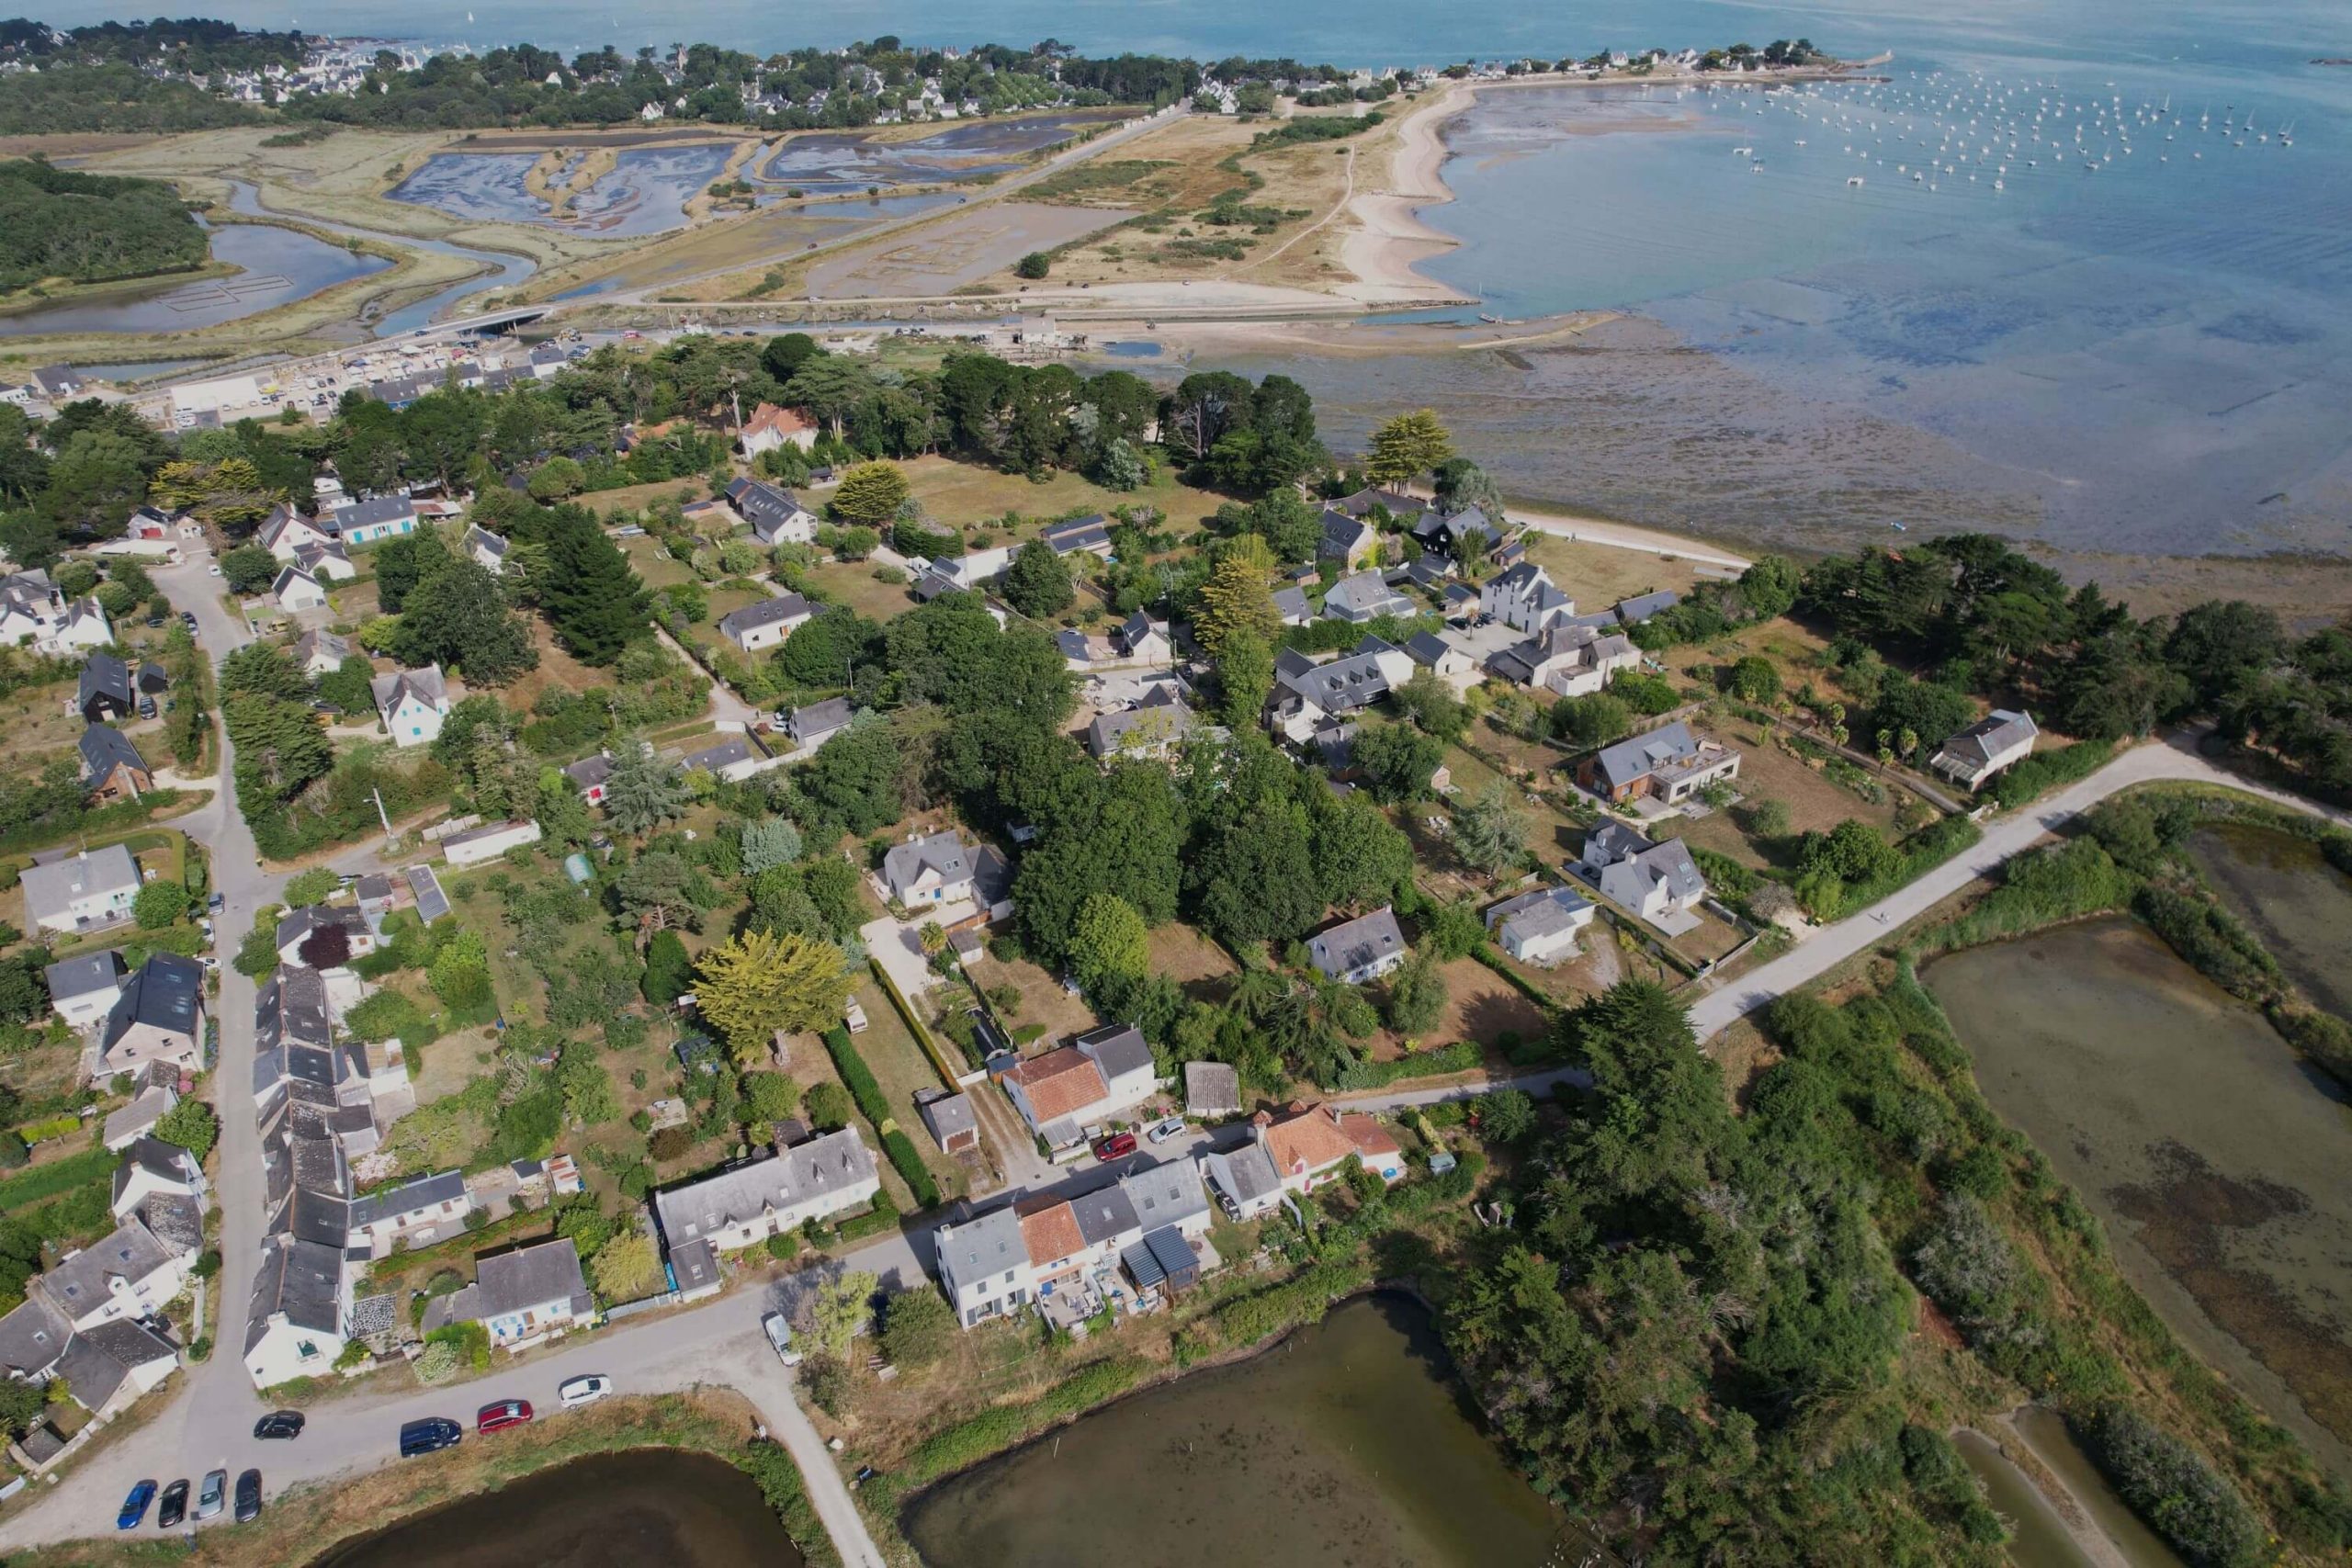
(1118, 1146)
(504, 1414)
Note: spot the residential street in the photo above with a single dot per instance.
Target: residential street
(204, 1420)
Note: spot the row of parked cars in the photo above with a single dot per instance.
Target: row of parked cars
(428, 1436)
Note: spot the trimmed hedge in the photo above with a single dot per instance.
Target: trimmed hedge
(883, 1216)
(858, 1078)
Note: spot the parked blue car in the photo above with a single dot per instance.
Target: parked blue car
(134, 1507)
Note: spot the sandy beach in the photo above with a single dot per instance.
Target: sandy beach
(1390, 239)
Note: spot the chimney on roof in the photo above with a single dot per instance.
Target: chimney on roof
(1262, 1119)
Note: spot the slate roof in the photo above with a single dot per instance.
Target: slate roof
(300, 1278)
(1340, 686)
(298, 926)
(836, 1162)
(1351, 944)
(78, 1284)
(1291, 605)
(409, 1198)
(1982, 741)
(1544, 912)
(142, 1113)
(483, 540)
(948, 1114)
(982, 1246)
(293, 577)
(1668, 862)
(166, 993)
(1161, 717)
(1251, 1170)
(819, 719)
(1343, 535)
(766, 507)
(317, 641)
(169, 1162)
(1102, 1213)
(426, 685)
(1079, 534)
(725, 754)
(376, 510)
(104, 675)
(1620, 764)
(51, 889)
(533, 1276)
(1642, 606)
(1364, 596)
(784, 609)
(1165, 1193)
(104, 749)
(100, 971)
(32, 1336)
(1120, 1048)
(102, 1359)
(944, 853)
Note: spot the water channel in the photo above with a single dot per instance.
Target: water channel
(2208, 1148)
(508, 270)
(1349, 1443)
(653, 1505)
(2297, 903)
(275, 267)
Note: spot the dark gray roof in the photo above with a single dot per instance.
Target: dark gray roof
(1154, 721)
(785, 607)
(1117, 1048)
(320, 1217)
(1668, 862)
(32, 1338)
(175, 1218)
(391, 688)
(373, 887)
(1364, 596)
(104, 675)
(984, 1245)
(1158, 1257)
(103, 1358)
(319, 1167)
(1609, 841)
(1998, 731)
(286, 577)
(1341, 533)
(105, 749)
(991, 876)
(408, 1198)
(166, 993)
(711, 759)
(483, 538)
(695, 1265)
(51, 887)
(1541, 913)
(947, 1115)
(589, 771)
(143, 1111)
(1103, 1213)
(1401, 505)
(1078, 533)
(99, 970)
(1252, 1171)
(1642, 606)
(1427, 648)
(298, 926)
(1620, 764)
(292, 1011)
(944, 853)
(820, 718)
(378, 509)
(78, 1284)
(763, 507)
(156, 1157)
(532, 1276)
(1341, 685)
(1165, 1192)
(1291, 605)
(299, 1278)
(1351, 944)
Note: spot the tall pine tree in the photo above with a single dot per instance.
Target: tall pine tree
(593, 600)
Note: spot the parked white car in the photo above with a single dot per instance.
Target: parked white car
(576, 1392)
(779, 1335)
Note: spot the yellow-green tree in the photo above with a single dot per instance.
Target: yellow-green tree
(1407, 444)
(227, 491)
(1234, 597)
(757, 982)
(870, 493)
(626, 1268)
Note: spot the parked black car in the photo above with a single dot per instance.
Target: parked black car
(249, 1496)
(280, 1424)
(173, 1507)
(429, 1436)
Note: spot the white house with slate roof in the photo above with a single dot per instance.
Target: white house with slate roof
(929, 871)
(1365, 597)
(772, 1195)
(285, 532)
(320, 652)
(1658, 882)
(329, 562)
(300, 1304)
(365, 522)
(488, 549)
(84, 892)
(775, 515)
(522, 1296)
(83, 990)
(417, 1213)
(1359, 950)
(412, 703)
(1540, 928)
(766, 624)
(1669, 763)
(158, 1017)
(1525, 600)
(1568, 659)
(2001, 740)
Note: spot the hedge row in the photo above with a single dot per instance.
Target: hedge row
(1922, 852)
(1245, 1320)
(1459, 1057)
(994, 1431)
(2047, 770)
(859, 1080)
(883, 1216)
(915, 1025)
(58, 1175)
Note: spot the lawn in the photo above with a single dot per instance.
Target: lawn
(1193, 961)
(852, 583)
(1597, 576)
(556, 670)
(1044, 1003)
(41, 718)
(898, 1066)
(653, 561)
(968, 493)
(1480, 1005)
(1768, 772)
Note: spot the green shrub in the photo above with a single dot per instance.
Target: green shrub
(2046, 771)
(1459, 1057)
(2170, 1485)
(859, 1080)
(998, 1428)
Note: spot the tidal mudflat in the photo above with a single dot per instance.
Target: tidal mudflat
(2214, 1157)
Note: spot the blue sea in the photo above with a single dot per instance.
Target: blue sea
(2152, 357)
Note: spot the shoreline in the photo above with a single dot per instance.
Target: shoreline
(1391, 240)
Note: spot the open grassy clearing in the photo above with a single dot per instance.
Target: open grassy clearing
(1597, 576)
(1766, 772)
(854, 583)
(970, 493)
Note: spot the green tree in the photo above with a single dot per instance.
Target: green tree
(460, 618)
(1592, 721)
(1755, 678)
(1405, 446)
(1234, 597)
(557, 479)
(190, 1124)
(592, 598)
(1504, 1116)
(158, 905)
(1416, 995)
(870, 493)
(770, 841)
(669, 972)
(626, 1269)
(1033, 265)
(1489, 831)
(918, 1327)
(306, 887)
(1245, 674)
(643, 790)
(770, 1097)
(755, 984)
(249, 568)
(1038, 583)
(828, 1105)
(838, 1308)
(1109, 942)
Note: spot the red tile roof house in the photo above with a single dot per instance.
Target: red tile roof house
(1072, 1088)
(771, 427)
(1310, 1146)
